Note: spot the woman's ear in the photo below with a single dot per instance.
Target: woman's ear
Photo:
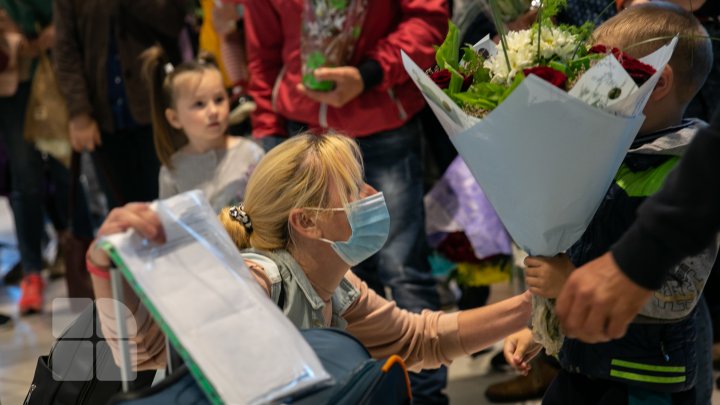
(304, 224)
(664, 85)
(172, 118)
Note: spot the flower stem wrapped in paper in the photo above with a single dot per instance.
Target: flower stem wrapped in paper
(543, 126)
(330, 30)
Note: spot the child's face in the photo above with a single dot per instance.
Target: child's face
(201, 106)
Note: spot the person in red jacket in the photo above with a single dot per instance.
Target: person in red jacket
(373, 101)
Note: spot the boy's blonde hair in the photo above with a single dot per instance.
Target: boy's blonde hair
(298, 173)
(630, 29)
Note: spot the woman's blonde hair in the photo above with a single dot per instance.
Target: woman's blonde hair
(298, 173)
(160, 76)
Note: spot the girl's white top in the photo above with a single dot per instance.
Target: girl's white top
(222, 174)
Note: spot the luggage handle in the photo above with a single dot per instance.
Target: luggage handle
(117, 293)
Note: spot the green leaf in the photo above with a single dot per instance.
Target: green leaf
(471, 61)
(456, 80)
(560, 67)
(470, 58)
(481, 75)
(482, 95)
(338, 4)
(581, 64)
(447, 53)
(551, 8)
(468, 99)
(516, 82)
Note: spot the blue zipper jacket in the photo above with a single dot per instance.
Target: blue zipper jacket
(658, 350)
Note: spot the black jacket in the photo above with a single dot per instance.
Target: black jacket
(657, 353)
(680, 220)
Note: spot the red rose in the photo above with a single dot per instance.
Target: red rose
(457, 248)
(639, 71)
(550, 75)
(467, 82)
(599, 48)
(441, 78)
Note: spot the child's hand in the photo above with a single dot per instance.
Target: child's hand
(519, 349)
(545, 276)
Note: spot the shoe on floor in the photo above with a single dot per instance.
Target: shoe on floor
(523, 388)
(31, 296)
(6, 322)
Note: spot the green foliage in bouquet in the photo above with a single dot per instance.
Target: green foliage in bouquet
(478, 82)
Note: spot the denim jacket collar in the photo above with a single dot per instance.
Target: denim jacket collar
(290, 271)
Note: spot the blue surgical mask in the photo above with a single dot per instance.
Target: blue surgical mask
(370, 223)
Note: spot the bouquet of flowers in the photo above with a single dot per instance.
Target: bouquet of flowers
(330, 30)
(543, 121)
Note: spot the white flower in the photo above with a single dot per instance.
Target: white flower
(522, 51)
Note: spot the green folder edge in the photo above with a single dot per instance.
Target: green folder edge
(204, 383)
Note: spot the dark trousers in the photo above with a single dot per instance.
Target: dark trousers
(26, 171)
(577, 389)
(127, 166)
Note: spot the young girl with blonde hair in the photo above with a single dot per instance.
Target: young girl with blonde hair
(190, 111)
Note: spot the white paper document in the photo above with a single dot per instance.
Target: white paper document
(243, 349)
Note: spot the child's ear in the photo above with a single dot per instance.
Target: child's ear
(172, 117)
(304, 224)
(664, 85)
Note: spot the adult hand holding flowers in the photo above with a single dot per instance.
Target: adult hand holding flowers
(348, 85)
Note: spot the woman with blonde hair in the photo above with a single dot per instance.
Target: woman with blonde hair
(307, 218)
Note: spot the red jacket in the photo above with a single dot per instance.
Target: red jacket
(273, 45)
